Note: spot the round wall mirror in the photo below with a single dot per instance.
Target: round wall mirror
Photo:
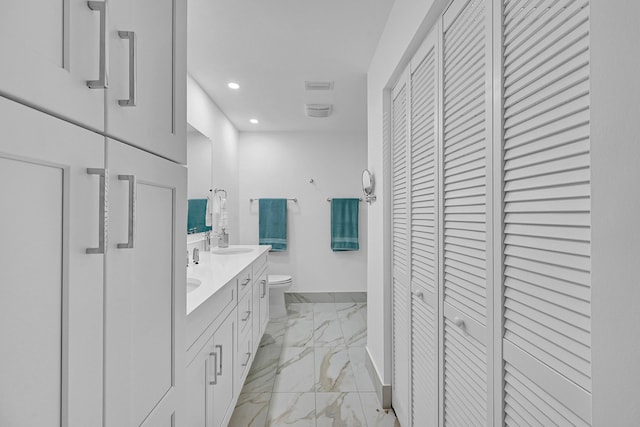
(368, 183)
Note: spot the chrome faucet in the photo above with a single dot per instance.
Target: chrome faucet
(196, 255)
(207, 241)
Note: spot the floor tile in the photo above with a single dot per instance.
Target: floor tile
(299, 333)
(327, 330)
(292, 409)
(333, 370)
(324, 307)
(374, 414)
(358, 357)
(354, 329)
(295, 372)
(251, 410)
(262, 374)
(339, 410)
(299, 311)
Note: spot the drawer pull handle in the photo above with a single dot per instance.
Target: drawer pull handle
(214, 381)
(131, 36)
(458, 322)
(132, 210)
(219, 347)
(246, 362)
(419, 295)
(101, 83)
(247, 317)
(246, 282)
(102, 209)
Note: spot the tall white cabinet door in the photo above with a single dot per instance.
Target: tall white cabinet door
(50, 50)
(467, 283)
(401, 293)
(547, 233)
(225, 362)
(145, 288)
(145, 99)
(198, 395)
(424, 236)
(50, 287)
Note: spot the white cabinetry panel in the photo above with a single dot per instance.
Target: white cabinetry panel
(51, 294)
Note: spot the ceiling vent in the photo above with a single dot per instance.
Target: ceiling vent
(318, 110)
(318, 85)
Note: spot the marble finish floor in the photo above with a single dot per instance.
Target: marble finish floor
(310, 372)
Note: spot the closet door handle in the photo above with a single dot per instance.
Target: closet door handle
(102, 209)
(214, 381)
(101, 83)
(219, 347)
(131, 102)
(132, 210)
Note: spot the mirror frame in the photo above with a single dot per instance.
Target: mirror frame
(368, 183)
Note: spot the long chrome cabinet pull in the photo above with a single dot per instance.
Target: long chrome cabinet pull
(247, 317)
(131, 102)
(132, 210)
(102, 209)
(101, 83)
(264, 288)
(219, 347)
(246, 362)
(214, 381)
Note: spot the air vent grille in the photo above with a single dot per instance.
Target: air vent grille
(318, 85)
(318, 110)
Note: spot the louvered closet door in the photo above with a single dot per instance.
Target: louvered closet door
(400, 255)
(467, 276)
(424, 260)
(547, 326)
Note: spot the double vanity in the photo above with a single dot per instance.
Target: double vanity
(227, 312)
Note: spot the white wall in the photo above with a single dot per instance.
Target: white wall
(275, 164)
(205, 116)
(615, 212)
(406, 28)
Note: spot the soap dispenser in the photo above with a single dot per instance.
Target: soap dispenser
(223, 238)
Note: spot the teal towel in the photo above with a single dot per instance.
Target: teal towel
(273, 224)
(344, 224)
(197, 216)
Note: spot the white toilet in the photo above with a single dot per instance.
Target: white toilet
(278, 284)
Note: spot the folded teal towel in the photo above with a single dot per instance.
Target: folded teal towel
(196, 216)
(344, 224)
(273, 224)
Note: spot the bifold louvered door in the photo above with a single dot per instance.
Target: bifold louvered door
(401, 294)
(467, 274)
(547, 351)
(424, 237)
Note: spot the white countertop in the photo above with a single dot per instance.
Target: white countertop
(215, 271)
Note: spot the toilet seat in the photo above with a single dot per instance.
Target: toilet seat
(279, 280)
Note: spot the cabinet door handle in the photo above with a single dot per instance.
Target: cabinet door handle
(246, 362)
(214, 381)
(131, 102)
(264, 288)
(246, 282)
(132, 210)
(101, 83)
(219, 347)
(102, 209)
(248, 316)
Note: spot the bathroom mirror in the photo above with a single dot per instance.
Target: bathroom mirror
(199, 176)
(368, 182)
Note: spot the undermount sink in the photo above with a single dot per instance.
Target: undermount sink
(231, 251)
(193, 284)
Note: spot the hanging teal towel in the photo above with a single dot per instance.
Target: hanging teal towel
(196, 216)
(273, 224)
(344, 224)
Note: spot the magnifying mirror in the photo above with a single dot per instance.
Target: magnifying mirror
(368, 182)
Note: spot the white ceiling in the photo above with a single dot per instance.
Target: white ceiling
(270, 47)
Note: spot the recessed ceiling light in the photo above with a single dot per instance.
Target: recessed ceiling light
(233, 85)
(254, 121)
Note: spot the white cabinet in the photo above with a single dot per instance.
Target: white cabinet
(145, 288)
(51, 310)
(145, 101)
(51, 50)
(116, 67)
(210, 377)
